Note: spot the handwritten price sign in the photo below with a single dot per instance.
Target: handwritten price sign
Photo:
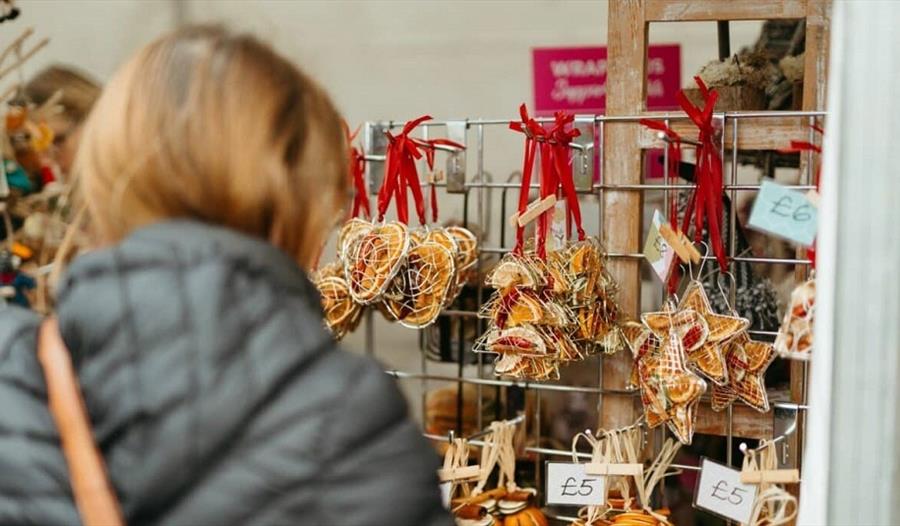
(657, 251)
(569, 485)
(785, 213)
(720, 491)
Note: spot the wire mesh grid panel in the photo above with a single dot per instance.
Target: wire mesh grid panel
(478, 197)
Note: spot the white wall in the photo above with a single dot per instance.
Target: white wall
(400, 59)
(95, 35)
(380, 59)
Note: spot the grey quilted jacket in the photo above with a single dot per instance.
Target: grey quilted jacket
(215, 395)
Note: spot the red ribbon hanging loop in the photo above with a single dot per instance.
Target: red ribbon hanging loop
(401, 173)
(357, 176)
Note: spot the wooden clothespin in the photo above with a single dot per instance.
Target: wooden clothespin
(774, 476)
(682, 246)
(535, 209)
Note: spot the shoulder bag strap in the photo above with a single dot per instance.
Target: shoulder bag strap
(94, 496)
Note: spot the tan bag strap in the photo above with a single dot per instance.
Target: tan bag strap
(96, 501)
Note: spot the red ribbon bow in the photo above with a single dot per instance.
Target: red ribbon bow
(556, 172)
(357, 175)
(707, 196)
(673, 146)
(563, 164)
(400, 171)
(532, 131)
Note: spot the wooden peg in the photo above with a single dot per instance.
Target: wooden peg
(674, 241)
(535, 209)
(777, 476)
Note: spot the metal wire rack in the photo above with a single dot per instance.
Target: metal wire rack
(475, 185)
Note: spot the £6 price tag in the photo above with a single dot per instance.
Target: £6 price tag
(569, 485)
(720, 491)
(784, 212)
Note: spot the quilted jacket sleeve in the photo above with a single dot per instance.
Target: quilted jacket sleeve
(381, 468)
(34, 484)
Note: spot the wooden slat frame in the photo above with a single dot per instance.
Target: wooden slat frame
(714, 10)
(623, 144)
(764, 133)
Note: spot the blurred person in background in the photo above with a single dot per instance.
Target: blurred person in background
(78, 93)
(208, 175)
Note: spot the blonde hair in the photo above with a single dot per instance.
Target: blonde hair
(79, 91)
(217, 127)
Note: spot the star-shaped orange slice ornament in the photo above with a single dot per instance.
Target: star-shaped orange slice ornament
(747, 361)
(668, 387)
(707, 358)
(644, 347)
(680, 387)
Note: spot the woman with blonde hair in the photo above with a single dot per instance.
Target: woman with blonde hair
(210, 172)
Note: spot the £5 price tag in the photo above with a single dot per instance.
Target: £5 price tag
(784, 212)
(720, 491)
(569, 485)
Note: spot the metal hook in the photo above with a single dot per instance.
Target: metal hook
(725, 296)
(703, 259)
(665, 138)
(788, 432)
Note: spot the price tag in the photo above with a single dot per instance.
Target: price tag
(657, 251)
(557, 238)
(785, 213)
(720, 491)
(445, 494)
(569, 485)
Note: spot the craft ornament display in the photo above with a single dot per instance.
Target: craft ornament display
(773, 505)
(619, 451)
(554, 306)
(33, 211)
(410, 275)
(507, 504)
(795, 336)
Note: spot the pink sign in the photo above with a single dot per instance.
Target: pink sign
(574, 78)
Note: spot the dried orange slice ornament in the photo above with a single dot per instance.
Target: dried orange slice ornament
(747, 362)
(342, 314)
(350, 234)
(465, 258)
(417, 293)
(795, 336)
(375, 259)
(515, 271)
(669, 390)
(517, 341)
(707, 357)
(593, 298)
